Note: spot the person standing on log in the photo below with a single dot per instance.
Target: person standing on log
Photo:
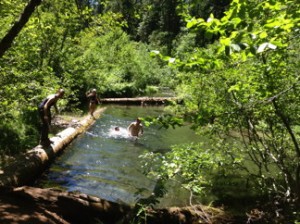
(45, 115)
(135, 129)
(94, 101)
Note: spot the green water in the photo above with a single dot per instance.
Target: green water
(106, 164)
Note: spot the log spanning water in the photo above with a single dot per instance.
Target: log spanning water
(140, 100)
(30, 165)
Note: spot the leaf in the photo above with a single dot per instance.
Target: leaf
(253, 36)
(194, 22)
(225, 41)
(236, 20)
(191, 23)
(243, 46)
(253, 50)
(273, 24)
(235, 47)
(208, 34)
(211, 18)
(272, 46)
(263, 34)
(172, 60)
(265, 46)
(155, 52)
(234, 88)
(262, 48)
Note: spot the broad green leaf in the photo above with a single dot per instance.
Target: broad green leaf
(265, 46)
(263, 34)
(235, 47)
(225, 41)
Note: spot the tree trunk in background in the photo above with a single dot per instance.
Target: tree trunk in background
(8, 39)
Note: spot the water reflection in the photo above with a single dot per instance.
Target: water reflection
(105, 163)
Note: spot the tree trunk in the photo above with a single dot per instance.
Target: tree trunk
(18, 25)
(36, 205)
(139, 100)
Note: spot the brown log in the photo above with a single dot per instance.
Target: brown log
(55, 206)
(30, 165)
(37, 205)
(139, 100)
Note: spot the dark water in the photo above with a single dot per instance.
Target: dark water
(106, 164)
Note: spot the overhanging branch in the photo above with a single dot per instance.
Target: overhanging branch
(8, 39)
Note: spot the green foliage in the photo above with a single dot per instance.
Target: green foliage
(247, 83)
(196, 165)
(164, 121)
(71, 46)
(236, 72)
(8, 12)
(116, 65)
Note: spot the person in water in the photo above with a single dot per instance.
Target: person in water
(135, 129)
(45, 115)
(94, 101)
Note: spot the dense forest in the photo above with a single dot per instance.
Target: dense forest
(234, 65)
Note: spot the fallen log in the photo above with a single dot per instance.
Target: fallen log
(140, 100)
(35, 205)
(30, 165)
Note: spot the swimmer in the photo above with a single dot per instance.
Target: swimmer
(135, 129)
(118, 132)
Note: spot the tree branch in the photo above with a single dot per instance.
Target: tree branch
(8, 39)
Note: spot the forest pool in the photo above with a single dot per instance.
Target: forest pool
(106, 164)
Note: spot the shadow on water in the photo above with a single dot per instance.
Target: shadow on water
(106, 163)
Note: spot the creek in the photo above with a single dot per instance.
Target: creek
(106, 164)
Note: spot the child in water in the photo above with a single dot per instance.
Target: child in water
(135, 129)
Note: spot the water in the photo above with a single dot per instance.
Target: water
(106, 163)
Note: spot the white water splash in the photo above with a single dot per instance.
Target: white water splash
(120, 133)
